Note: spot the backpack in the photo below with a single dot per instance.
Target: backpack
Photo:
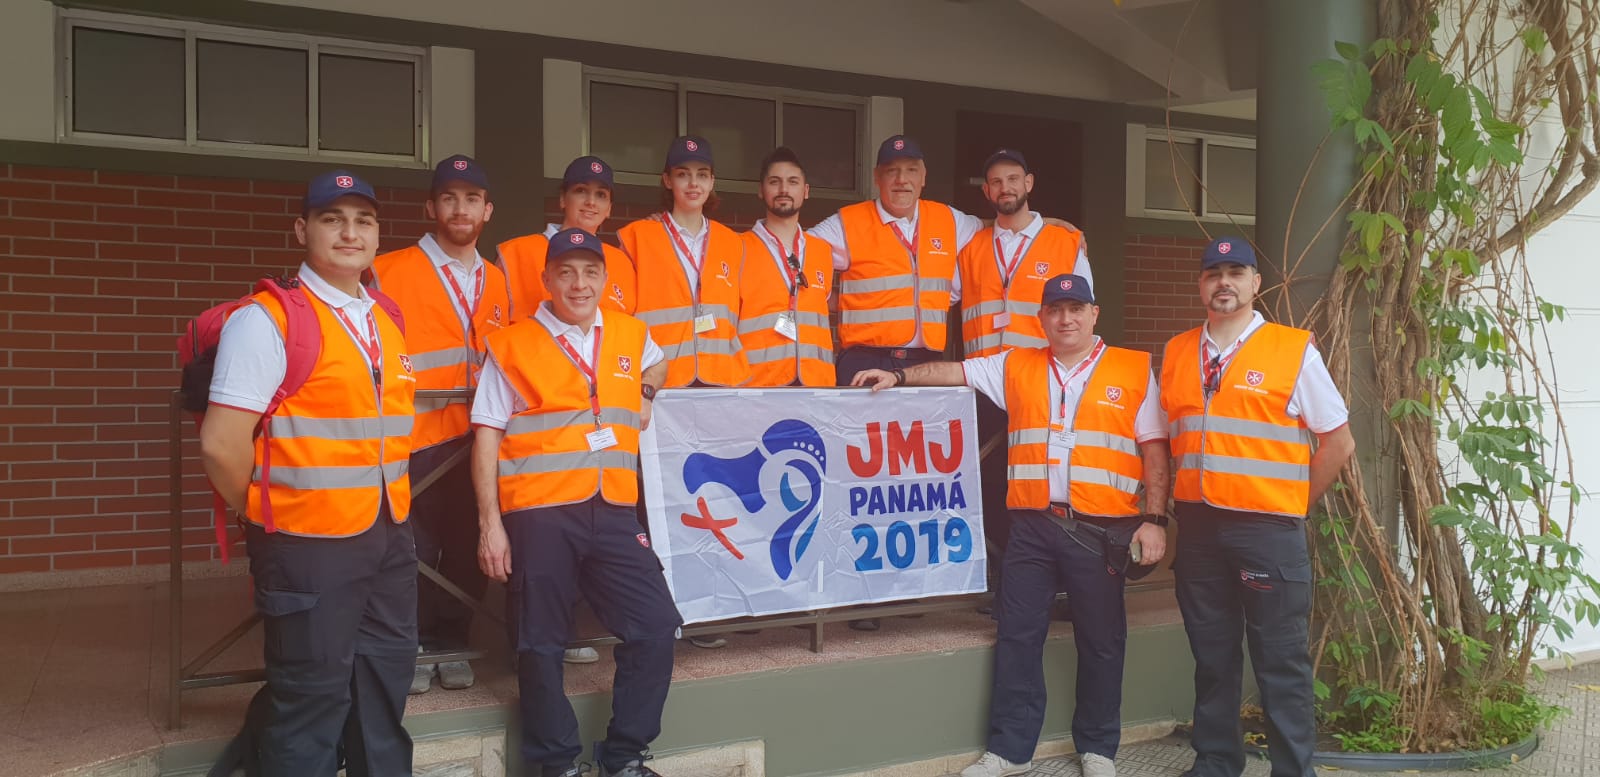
(302, 345)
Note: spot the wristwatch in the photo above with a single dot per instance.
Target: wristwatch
(648, 391)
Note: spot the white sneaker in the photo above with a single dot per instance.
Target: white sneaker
(991, 765)
(455, 675)
(1096, 765)
(581, 655)
(422, 679)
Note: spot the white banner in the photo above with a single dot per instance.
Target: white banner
(767, 501)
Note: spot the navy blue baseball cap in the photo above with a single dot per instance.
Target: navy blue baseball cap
(1005, 155)
(897, 147)
(572, 240)
(1066, 288)
(1228, 250)
(689, 148)
(459, 168)
(327, 188)
(588, 168)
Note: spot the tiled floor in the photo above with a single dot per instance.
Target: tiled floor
(83, 672)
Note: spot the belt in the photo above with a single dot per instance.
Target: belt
(924, 354)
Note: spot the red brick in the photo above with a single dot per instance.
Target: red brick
(130, 540)
(52, 210)
(54, 248)
(111, 178)
(46, 322)
(24, 302)
(138, 251)
(134, 432)
(16, 452)
(72, 230)
(209, 255)
(131, 288)
(51, 470)
(31, 489)
(96, 194)
(24, 228)
(51, 173)
(94, 379)
(53, 360)
(252, 239)
(133, 504)
(254, 204)
(93, 524)
(46, 284)
(157, 198)
(29, 378)
(119, 558)
(164, 307)
(175, 235)
(230, 185)
(9, 564)
(30, 190)
(116, 214)
(22, 527)
(273, 222)
(134, 360)
(175, 270)
(53, 433)
(90, 306)
(214, 219)
(287, 188)
(53, 544)
(139, 396)
(219, 290)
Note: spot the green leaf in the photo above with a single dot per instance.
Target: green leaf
(1347, 50)
(1535, 39)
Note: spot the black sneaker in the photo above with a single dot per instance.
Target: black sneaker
(632, 769)
(575, 770)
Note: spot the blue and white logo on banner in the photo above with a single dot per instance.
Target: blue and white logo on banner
(779, 500)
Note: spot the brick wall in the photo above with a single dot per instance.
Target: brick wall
(98, 272)
(1163, 299)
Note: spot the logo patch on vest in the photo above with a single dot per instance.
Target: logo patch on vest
(819, 279)
(405, 363)
(496, 314)
(1254, 377)
(1040, 268)
(937, 243)
(1114, 393)
(643, 539)
(625, 363)
(616, 293)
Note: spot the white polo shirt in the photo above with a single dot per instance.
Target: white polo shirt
(695, 241)
(251, 361)
(831, 229)
(987, 374)
(1315, 400)
(1008, 241)
(496, 400)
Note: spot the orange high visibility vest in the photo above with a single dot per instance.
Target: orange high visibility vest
(669, 306)
(777, 360)
(1105, 469)
(339, 442)
(545, 459)
(523, 261)
(984, 292)
(1239, 449)
(880, 293)
(443, 355)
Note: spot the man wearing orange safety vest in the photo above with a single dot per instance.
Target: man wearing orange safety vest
(1086, 433)
(1003, 271)
(558, 413)
(452, 299)
(332, 559)
(586, 190)
(1245, 398)
(688, 268)
(783, 316)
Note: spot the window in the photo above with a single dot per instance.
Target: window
(176, 85)
(632, 117)
(1190, 174)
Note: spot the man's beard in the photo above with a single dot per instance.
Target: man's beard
(1226, 304)
(1011, 208)
(783, 211)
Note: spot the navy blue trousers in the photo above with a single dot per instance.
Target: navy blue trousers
(597, 549)
(1247, 578)
(340, 641)
(1041, 559)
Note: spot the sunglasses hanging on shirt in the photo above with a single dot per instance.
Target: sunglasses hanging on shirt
(799, 273)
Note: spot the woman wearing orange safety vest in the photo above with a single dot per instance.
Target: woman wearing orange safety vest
(688, 268)
(557, 416)
(452, 299)
(586, 191)
(332, 560)
(1245, 397)
(788, 277)
(1086, 434)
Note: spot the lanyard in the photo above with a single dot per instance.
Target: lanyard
(1055, 372)
(682, 246)
(911, 245)
(1212, 369)
(471, 310)
(373, 347)
(791, 264)
(588, 371)
(1009, 269)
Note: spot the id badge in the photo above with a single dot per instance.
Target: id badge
(1002, 319)
(787, 327)
(601, 439)
(1062, 437)
(704, 323)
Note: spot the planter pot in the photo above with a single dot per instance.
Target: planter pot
(1393, 762)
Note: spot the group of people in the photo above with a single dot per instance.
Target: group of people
(563, 346)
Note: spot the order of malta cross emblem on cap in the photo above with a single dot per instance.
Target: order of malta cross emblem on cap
(344, 182)
(625, 363)
(1040, 268)
(595, 167)
(1114, 393)
(1223, 248)
(1254, 377)
(1066, 284)
(461, 164)
(899, 145)
(691, 145)
(576, 238)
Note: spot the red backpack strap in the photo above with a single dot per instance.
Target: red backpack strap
(389, 306)
(302, 346)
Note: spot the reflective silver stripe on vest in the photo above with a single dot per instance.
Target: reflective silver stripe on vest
(877, 315)
(313, 478)
(1032, 436)
(1260, 430)
(661, 316)
(976, 344)
(286, 426)
(1018, 340)
(989, 307)
(544, 422)
(785, 352)
(1027, 472)
(1101, 477)
(770, 320)
(444, 357)
(935, 284)
(548, 463)
(1235, 465)
(430, 404)
(1114, 442)
(716, 346)
(866, 285)
(1019, 308)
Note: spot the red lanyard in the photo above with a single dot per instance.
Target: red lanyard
(588, 370)
(1009, 268)
(1055, 372)
(677, 239)
(911, 245)
(373, 347)
(471, 310)
(791, 270)
(1212, 369)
